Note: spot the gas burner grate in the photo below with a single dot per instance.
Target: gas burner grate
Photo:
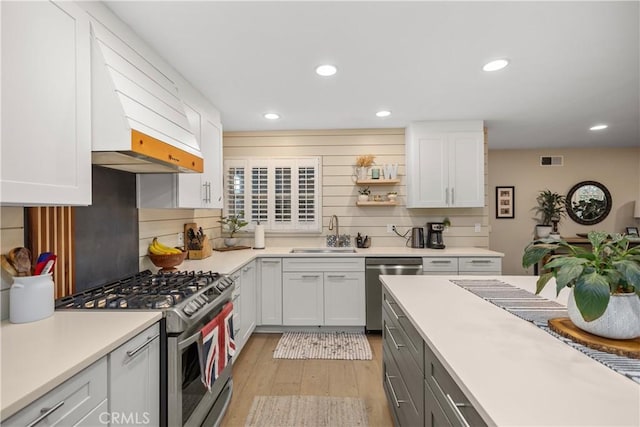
(144, 290)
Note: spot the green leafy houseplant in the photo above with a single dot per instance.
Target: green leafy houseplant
(233, 223)
(551, 206)
(609, 268)
(364, 191)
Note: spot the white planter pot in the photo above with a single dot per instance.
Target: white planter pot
(621, 319)
(230, 241)
(543, 231)
(363, 197)
(361, 173)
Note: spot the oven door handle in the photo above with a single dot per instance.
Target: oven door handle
(187, 342)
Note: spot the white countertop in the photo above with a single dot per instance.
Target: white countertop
(229, 261)
(38, 356)
(515, 373)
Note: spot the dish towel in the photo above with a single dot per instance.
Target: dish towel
(217, 346)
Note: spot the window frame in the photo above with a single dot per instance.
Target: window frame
(247, 197)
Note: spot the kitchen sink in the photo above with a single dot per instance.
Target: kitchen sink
(323, 251)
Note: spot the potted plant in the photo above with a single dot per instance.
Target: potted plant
(604, 282)
(363, 194)
(392, 196)
(233, 223)
(362, 166)
(551, 208)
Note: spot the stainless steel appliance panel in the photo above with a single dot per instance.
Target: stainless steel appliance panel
(374, 267)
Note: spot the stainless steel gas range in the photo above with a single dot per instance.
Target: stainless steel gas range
(189, 301)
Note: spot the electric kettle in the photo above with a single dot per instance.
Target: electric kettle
(417, 237)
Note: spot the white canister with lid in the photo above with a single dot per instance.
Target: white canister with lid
(31, 298)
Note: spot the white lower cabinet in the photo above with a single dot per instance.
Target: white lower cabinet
(302, 299)
(244, 304)
(323, 292)
(270, 291)
(69, 403)
(463, 266)
(134, 380)
(344, 299)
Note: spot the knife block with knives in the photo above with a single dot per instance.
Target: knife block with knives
(196, 242)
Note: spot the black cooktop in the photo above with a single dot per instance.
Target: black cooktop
(144, 290)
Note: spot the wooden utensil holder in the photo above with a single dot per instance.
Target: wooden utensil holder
(203, 253)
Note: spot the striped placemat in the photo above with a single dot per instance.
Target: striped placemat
(539, 310)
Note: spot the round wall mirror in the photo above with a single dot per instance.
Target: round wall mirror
(588, 202)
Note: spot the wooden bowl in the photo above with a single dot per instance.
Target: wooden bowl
(168, 262)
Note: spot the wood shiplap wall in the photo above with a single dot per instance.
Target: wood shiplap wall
(165, 224)
(338, 150)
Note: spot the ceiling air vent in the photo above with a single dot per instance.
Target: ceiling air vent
(551, 160)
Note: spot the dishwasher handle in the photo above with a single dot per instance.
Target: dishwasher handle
(394, 269)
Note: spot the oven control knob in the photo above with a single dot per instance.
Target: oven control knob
(188, 310)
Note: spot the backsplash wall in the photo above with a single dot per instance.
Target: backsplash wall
(11, 236)
(338, 150)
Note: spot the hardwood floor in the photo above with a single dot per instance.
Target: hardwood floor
(257, 373)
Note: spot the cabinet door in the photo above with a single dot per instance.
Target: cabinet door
(344, 299)
(429, 171)
(466, 169)
(190, 185)
(212, 176)
(270, 291)
(46, 104)
(302, 299)
(248, 293)
(134, 377)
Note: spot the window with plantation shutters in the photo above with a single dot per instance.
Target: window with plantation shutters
(282, 194)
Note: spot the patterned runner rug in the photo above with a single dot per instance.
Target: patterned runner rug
(323, 345)
(307, 411)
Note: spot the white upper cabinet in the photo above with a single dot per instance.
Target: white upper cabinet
(445, 164)
(46, 104)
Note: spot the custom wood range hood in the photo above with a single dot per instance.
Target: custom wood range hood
(139, 122)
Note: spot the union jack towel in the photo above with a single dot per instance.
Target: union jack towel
(217, 346)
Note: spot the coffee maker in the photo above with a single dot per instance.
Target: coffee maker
(434, 235)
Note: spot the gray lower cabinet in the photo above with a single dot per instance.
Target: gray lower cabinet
(402, 365)
(419, 389)
(134, 380)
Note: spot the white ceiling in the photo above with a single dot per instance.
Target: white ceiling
(573, 64)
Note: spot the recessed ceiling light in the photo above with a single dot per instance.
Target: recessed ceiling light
(326, 70)
(496, 65)
(599, 127)
(271, 116)
(383, 113)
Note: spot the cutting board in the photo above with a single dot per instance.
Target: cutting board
(232, 248)
(566, 328)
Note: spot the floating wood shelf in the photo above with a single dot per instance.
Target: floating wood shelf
(378, 181)
(372, 203)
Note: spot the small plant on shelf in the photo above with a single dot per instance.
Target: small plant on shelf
(363, 194)
(392, 195)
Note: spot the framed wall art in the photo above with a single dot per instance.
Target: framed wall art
(505, 202)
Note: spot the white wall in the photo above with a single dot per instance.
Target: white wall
(617, 168)
(338, 150)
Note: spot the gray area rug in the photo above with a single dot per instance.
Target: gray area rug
(307, 411)
(323, 345)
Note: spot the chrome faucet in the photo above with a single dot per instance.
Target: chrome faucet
(337, 226)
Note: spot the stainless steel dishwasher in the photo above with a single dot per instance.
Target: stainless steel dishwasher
(373, 288)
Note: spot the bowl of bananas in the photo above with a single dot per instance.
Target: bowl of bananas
(165, 257)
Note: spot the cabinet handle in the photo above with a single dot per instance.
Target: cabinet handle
(336, 276)
(131, 353)
(393, 392)
(395, 343)
(456, 409)
(45, 412)
(392, 310)
(270, 261)
(453, 198)
(441, 262)
(446, 195)
(480, 261)
(244, 270)
(209, 192)
(310, 276)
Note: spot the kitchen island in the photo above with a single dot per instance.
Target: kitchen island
(511, 371)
